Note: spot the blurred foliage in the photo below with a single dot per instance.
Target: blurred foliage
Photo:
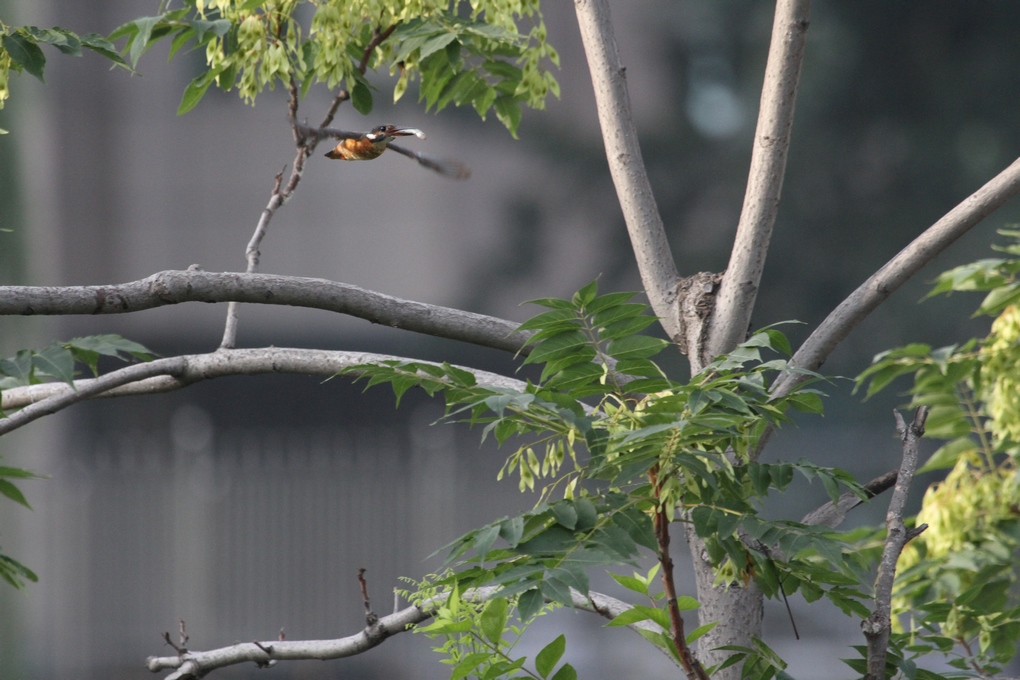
(958, 580)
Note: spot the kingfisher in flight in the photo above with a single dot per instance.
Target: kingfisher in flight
(365, 146)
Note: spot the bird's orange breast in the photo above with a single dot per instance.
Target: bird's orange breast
(360, 149)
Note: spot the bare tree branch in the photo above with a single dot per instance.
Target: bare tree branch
(165, 375)
(191, 665)
(277, 199)
(832, 514)
(877, 626)
(173, 287)
(897, 271)
(648, 238)
(736, 296)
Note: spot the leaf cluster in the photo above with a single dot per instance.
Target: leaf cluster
(61, 360)
(463, 53)
(480, 636)
(12, 571)
(20, 51)
(956, 582)
(615, 441)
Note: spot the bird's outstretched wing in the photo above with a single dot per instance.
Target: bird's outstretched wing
(446, 167)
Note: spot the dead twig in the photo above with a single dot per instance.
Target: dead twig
(878, 626)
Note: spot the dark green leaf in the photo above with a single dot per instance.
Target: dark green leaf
(529, 603)
(101, 45)
(510, 530)
(13, 492)
(25, 54)
(361, 98)
(557, 591)
(565, 514)
(586, 514)
(140, 41)
(55, 361)
(64, 40)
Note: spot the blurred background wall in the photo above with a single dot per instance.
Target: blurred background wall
(247, 505)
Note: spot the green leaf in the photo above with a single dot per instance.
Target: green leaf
(14, 572)
(631, 583)
(565, 514)
(140, 41)
(510, 530)
(508, 111)
(13, 492)
(641, 613)
(102, 46)
(557, 346)
(566, 672)
(25, 54)
(636, 347)
(557, 591)
(194, 92)
(435, 43)
(361, 98)
(699, 631)
(529, 603)
(468, 664)
(493, 619)
(55, 361)
(64, 40)
(550, 655)
(558, 318)
(946, 456)
(586, 514)
(586, 295)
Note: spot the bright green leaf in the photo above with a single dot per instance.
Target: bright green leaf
(550, 655)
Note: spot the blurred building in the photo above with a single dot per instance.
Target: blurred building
(247, 505)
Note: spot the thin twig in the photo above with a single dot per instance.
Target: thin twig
(878, 626)
(370, 616)
(660, 523)
(279, 196)
(736, 297)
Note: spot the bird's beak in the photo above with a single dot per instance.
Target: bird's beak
(406, 132)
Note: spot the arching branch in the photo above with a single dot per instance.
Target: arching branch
(174, 287)
(897, 271)
(165, 375)
(196, 664)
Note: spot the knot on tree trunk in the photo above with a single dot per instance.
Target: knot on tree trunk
(695, 301)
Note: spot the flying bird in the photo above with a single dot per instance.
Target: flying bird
(365, 146)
